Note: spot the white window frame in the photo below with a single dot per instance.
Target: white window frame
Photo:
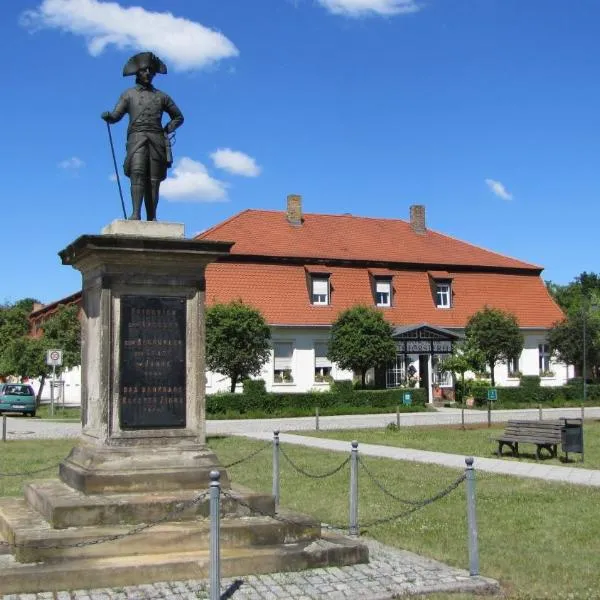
(323, 365)
(439, 376)
(544, 355)
(283, 365)
(441, 295)
(319, 298)
(380, 281)
(513, 366)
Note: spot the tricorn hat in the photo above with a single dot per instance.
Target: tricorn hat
(144, 59)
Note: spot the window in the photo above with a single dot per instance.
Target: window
(544, 358)
(322, 363)
(440, 377)
(513, 367)
(383, 292)
(320, 290)
(395, 374)
(282, 360)
(442, 294)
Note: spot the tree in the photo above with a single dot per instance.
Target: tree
(63, 332)
(566, 340)
(463, 359)
(237, 341)
(585, 288)
(496, 334)
(360, 340)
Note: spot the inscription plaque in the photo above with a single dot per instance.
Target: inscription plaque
(152, 387)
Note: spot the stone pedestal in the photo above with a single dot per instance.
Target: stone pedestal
(142, 359)
(142, 457)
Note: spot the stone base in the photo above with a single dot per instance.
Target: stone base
(150, 229)
(116, 571)
(108, 469)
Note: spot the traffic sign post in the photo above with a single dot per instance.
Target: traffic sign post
(53, 359)
(492, 396)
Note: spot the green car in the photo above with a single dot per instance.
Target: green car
(17, 397)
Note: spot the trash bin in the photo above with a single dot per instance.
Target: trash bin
(572, 436)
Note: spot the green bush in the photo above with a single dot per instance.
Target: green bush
(254, 387)
(342, 386)
(332, 402)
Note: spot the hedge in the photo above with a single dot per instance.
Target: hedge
(255, 399)
(546, 395)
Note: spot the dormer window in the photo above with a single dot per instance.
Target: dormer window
(383, 292)
(441, 288)
(319, 290)
(443, 294)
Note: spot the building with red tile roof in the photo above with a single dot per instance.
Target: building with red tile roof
(301, 270)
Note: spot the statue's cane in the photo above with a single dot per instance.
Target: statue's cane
(112, 149)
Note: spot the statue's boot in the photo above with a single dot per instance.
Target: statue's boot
(152, 200)
(137, 193)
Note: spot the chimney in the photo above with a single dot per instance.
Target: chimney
(417, 218)
(294, 210)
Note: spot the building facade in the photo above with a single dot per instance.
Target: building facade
(301, 270)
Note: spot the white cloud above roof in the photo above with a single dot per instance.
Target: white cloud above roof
(181, 43)
(498, 188)
(191, 182)
(359, 8)
(235, 162)
(72, 163)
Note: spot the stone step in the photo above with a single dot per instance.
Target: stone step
(33, 539)
(102, 572)
(62, 506)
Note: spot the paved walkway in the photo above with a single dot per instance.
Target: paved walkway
(27, 428)
(553, 473)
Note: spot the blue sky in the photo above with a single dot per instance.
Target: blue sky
(485, 111)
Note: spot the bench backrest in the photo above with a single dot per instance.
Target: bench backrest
(547, 430)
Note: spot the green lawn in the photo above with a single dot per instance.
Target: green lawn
(540, 540)
(473, 441)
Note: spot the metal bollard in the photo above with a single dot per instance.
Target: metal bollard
(276, 468)
(398, 417)
(462, 418)
(3, 428)
(472, 519)
(540, 412)
(489, 414)
(353, 529)
(317, 418)
(215, 515)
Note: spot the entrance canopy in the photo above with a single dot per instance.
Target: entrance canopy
(424, 339)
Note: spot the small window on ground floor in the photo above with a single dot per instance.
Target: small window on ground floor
(282, 362)
(513, 367)
(322, 363)
(544, 358)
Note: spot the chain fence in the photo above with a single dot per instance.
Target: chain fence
(302, 471)
(25, 473)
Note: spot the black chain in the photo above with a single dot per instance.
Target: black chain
(53, 466)
(312, 475)
(252, 455)
(383, 489)
(118, 536)
(415, 508)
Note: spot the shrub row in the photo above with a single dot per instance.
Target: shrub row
(255, 399)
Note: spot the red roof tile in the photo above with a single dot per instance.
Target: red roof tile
(281, 293)
(268, 233)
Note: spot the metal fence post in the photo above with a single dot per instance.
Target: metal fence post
(215, 514)
(472, 519)
(353, 529)
(398, 416)
(276, 468)
(462, 417)
(540, 412)
(3, 428)
(317, 418)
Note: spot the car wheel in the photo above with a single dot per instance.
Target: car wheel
(32, 414)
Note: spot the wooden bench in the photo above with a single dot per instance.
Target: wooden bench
(544, 434)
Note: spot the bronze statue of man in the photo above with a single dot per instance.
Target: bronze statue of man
(148, 145)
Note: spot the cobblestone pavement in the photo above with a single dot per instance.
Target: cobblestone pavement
(389, 574)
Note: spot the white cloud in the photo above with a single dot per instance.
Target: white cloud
(191, 182)
(71, 163)
(359, 8)
(182, 43)
(235, 162)
(498, 188)
(112, 177)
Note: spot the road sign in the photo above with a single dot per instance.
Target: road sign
(54, 358)
(492, 394)
(407, 398)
